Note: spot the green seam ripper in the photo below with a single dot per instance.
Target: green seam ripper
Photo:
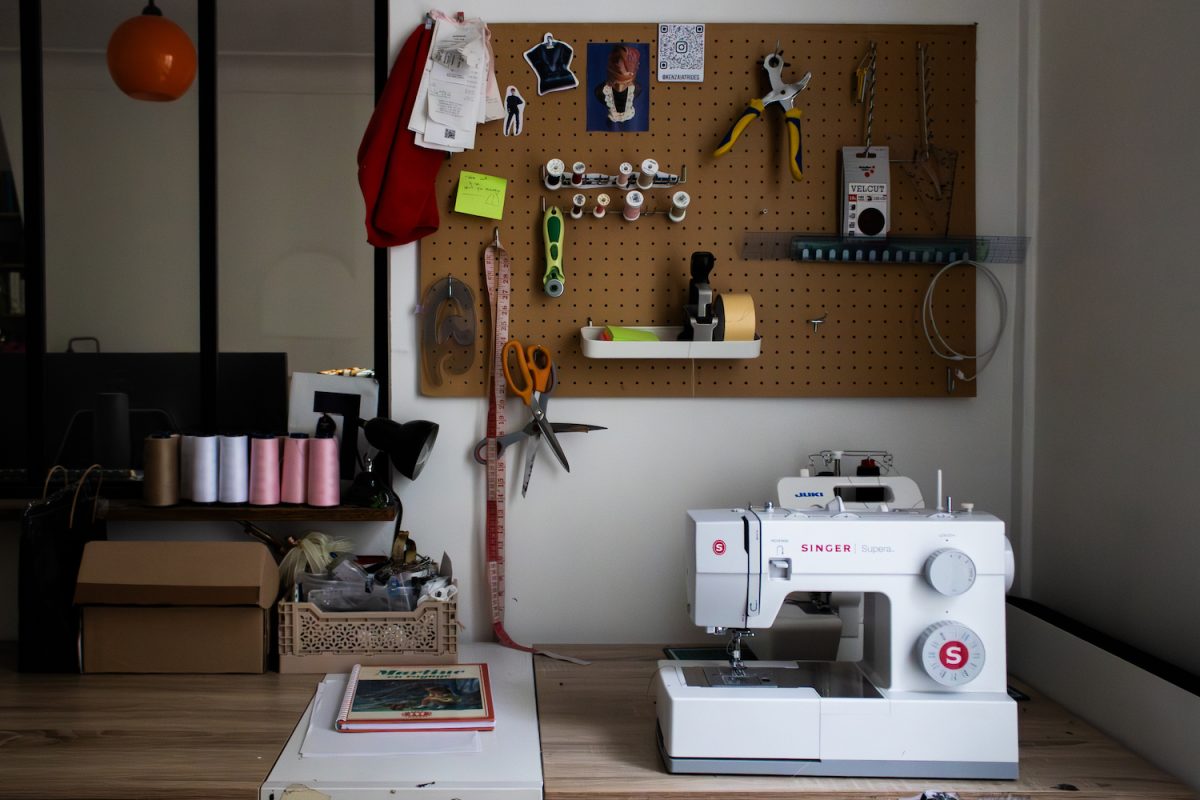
(552, 233)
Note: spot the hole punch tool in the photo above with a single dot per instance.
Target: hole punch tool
(783, 95)
(538, 378)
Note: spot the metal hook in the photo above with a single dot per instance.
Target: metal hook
(496, 232)
(817, 321)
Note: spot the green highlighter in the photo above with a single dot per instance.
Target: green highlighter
(552, 232)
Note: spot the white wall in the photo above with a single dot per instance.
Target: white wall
(1115, 543)
(596, 555)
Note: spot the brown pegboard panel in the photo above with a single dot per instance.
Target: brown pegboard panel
(637, 273)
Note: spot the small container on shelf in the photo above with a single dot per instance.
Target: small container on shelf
(664, 345)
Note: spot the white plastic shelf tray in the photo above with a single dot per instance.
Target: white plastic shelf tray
(666, 347)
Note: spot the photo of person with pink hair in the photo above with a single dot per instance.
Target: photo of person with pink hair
(619, 75)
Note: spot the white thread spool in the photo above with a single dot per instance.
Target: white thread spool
(577, 203)
(649, 172)
(601, 206)
(633, 205)
(554, 172)
(679, 204)
(577, 170)
(623, 173)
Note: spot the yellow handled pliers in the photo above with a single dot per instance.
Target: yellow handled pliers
(783, 94)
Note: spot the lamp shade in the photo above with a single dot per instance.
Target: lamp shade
(407, 444)
(151, 58)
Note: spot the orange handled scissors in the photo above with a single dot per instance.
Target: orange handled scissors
(536, 371)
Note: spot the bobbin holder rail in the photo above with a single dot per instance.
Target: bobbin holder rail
(635, 273)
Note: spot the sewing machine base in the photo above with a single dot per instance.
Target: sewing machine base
(827, 718)
(846, 768)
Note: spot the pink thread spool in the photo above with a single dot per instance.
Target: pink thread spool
(294, 484)
(577, 203)
(577, 170)
(623, 174)
(633, 205)
(324, 481)
(264, 470)
(601, 206)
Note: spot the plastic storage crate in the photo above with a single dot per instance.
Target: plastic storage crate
(311, 640)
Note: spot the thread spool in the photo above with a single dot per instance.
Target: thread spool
(679, 204)
(649, 172)
(601, 206)
(623, 174)
(633, 205)
(577, 203)
(160, 458)
(204, 465)
(264, 470)
(577, 170)
(293, 485)
(324, 482)
(233, 482)
(554, 172)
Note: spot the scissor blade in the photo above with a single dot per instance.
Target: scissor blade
(548, 435)
(533, 444)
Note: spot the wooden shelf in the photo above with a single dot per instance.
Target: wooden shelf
(136, 511)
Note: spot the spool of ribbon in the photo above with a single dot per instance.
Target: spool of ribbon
(324, 483)
(294, 483)
(264, 470)
(233, 484)
(160, 460)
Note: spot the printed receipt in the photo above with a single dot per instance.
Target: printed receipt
(450, 98)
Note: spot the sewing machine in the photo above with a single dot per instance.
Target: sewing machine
(928, 698)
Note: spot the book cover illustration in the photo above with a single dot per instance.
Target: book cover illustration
(455, 695)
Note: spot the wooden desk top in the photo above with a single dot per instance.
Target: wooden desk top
(110, 737)
(210, 737)
(598, 741)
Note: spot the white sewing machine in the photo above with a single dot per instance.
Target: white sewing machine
(928, 699)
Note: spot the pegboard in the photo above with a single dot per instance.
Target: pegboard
(623, 273)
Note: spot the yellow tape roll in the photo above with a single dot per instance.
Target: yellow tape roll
(735, 313)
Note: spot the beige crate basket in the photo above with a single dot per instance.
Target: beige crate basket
(311, 640)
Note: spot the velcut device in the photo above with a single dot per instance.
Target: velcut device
(928, 697)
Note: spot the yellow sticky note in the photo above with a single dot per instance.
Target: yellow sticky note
(481, 195)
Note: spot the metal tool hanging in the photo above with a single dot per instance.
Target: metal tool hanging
(783, 95)
(932, 169)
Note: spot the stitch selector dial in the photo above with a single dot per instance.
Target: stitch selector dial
(951, 653)
(950, 571)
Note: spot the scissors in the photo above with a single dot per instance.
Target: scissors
(538, 377)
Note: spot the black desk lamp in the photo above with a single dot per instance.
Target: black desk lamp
(406, 445)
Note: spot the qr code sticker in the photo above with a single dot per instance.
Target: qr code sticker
(681, 52)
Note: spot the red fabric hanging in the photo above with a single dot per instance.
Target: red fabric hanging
(396, 176)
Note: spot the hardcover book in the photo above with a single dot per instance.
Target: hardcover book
(417, 698)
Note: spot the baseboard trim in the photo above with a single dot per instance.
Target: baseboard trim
(1155, 717)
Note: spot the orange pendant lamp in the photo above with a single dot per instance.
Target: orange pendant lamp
(151, 58)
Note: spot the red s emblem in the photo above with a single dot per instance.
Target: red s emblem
(719, 547)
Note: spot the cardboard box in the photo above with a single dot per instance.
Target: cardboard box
(176, 606)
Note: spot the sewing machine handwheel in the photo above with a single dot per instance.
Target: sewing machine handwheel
(951, 653)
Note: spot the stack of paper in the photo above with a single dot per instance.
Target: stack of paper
(458, 88)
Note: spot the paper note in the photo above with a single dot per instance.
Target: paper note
(481, 195)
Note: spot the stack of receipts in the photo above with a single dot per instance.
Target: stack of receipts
(458, 88)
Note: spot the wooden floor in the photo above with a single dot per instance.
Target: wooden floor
(598, 741)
